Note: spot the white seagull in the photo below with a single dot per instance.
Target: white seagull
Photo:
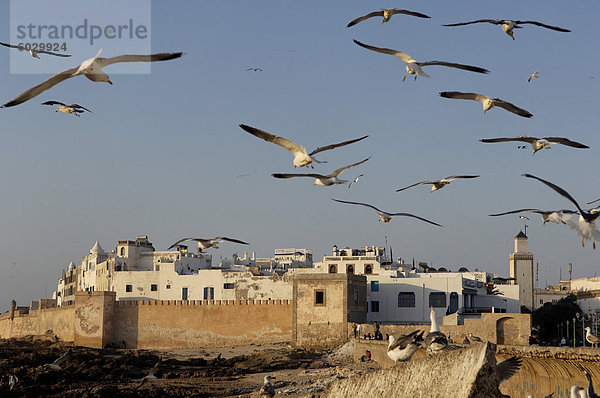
(207, 243)
(508, 25)
(34, 53)
(575, 392)
(437, 184)
(385, 216)
(90, 68)
(487, 102)
(533, 75)
(386, 13)
(56, 364)
(403, 348)
(356, 180)
(590, 338)
(413, 67)
(75, 109)
(435, 340)
(586, 226)
(150, 376)
(538, 143)
(320, 179)
(267, 389)
(555, 216)
(301, 157)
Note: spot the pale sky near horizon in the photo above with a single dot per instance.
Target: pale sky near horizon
(160, 153)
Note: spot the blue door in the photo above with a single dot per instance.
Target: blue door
(184, 293)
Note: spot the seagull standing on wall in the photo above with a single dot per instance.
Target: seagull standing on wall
(590, 338)
(90, 68)
(509, 25)
(435, 340)
(386, 13)
(301, 157)
(413, 67)
(403, 348)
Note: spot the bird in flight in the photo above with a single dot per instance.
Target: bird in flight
(538, 143)
(586, 226)
(509, 25)
(554, 216)
(207, 243)
(323, 180)
(487, 102)
(34, 53)
(413, 67)
(532, 76)
(90, 68)
(437, 184)
(386, 13)
(385, 216)
(254, 69)
(355, 180)
(301, 157)
(74, 109)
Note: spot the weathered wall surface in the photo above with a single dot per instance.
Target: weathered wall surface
(93, 318)
(37, 322)
(511, 329)
(186, 324)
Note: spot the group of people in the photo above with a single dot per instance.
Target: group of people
(356, 329)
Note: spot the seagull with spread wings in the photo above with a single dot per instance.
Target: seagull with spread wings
(538, 143)
(586, 226)
(385, 216)
(34, 53)
(301, 157)
(532, 76)
(320, 179)
(386, 14)
(413, 67)
(75, 109)
(90, 68)
(509, 25)
(56, 365)
(555, 216)
(207, 243)
(487, 102)
(437, 184)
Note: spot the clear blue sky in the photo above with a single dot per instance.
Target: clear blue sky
(160, 152)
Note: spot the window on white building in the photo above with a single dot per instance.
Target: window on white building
(437, 299)
(209, 293)
(129, 288)
(374, 286)
(333, 269)
(153, 288)
(350, 268)
(319, 297)
(368, 269)
(374, 306)
(406, 299)
(228, 286)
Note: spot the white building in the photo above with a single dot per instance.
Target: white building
(521, 269)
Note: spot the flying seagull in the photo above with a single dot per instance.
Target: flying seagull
(254, 69)
(90, 68)
(56, 364)
(267, 390)
(207, 243)
(524, 218)
(508, 25)
(437, 184)
(301, 157)
(555, 216)
(75, 109)
(590, 390)
(403, 348)
(533, 75)
(585, 227)
(590, 338)
(385, 216)
(487, 102)
(150, 376)
(593, 201)
(320, 179)
(538, 143)
(356, 180)
(507, 369)
(413, 67)
(34, 53)
(386, 13)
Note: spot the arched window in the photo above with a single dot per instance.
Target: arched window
(368, 269)
(333, 269)
(453, 303)
(122, 251)
(406, 299)
(437, 299)
(350, 268)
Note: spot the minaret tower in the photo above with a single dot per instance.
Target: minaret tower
(521, 268)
